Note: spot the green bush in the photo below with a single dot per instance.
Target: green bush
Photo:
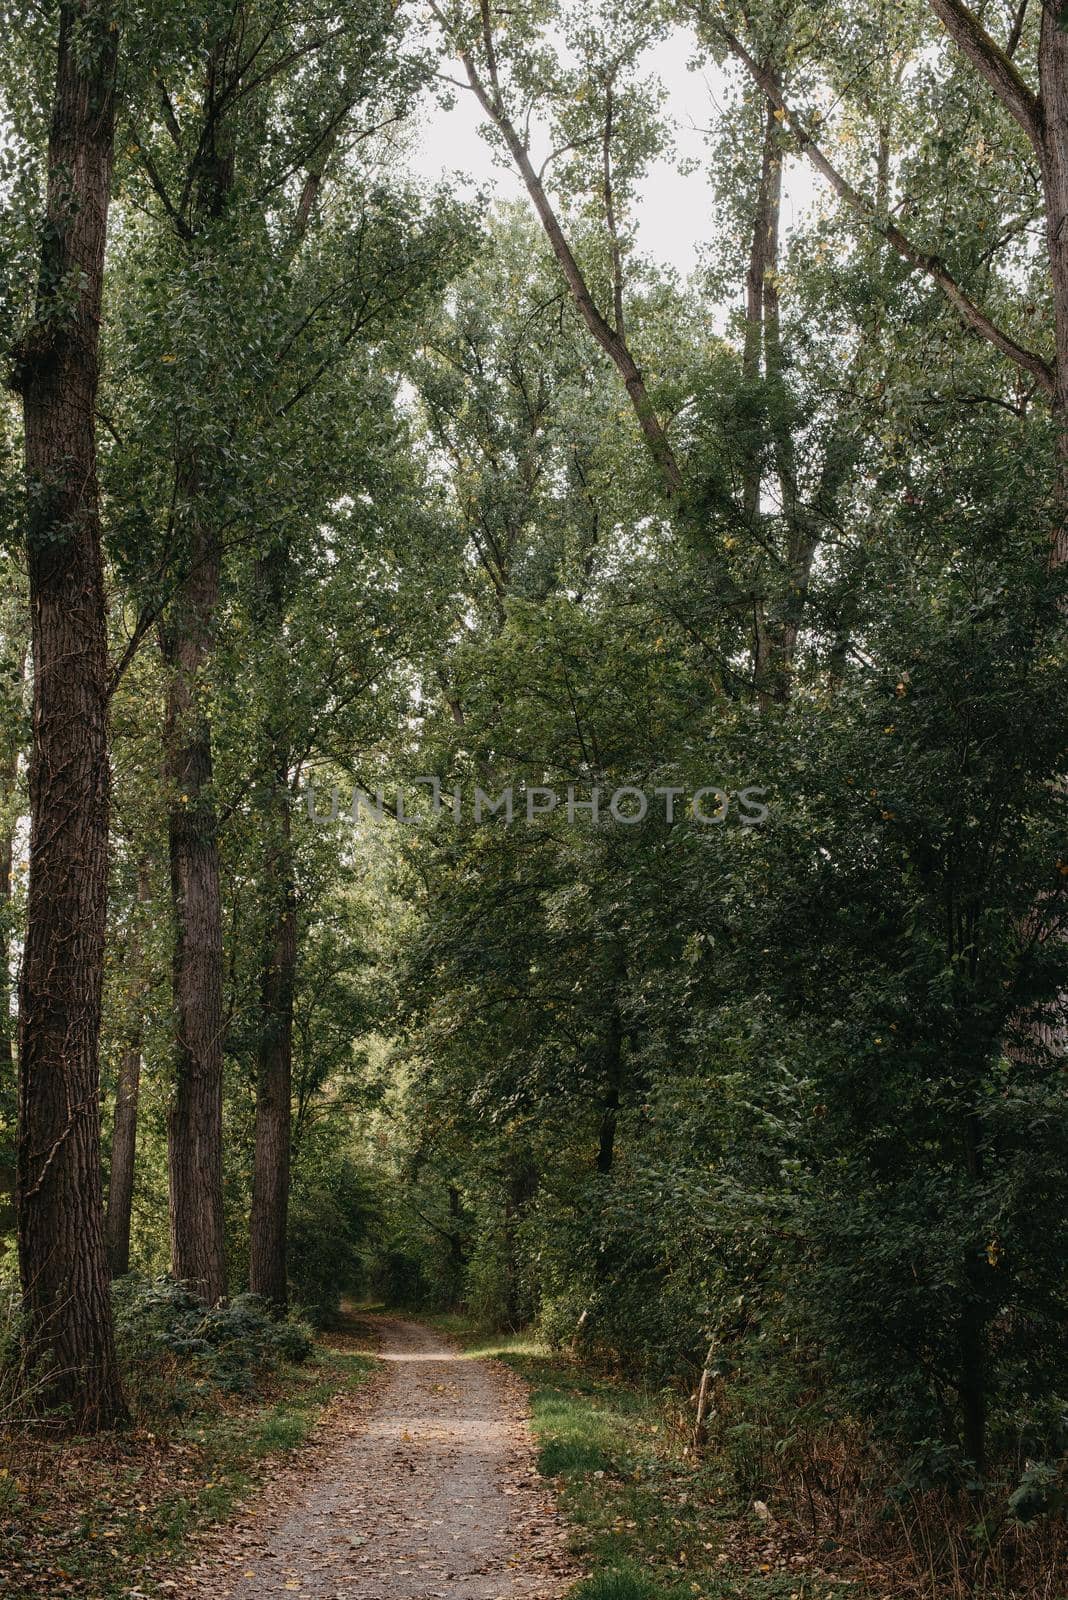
(228, 1346)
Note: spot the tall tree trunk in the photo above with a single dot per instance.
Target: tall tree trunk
(9, 770)
(62, 1260)
(274, 1084)
(763, 264)
(1053, 73)
(270, 1177)
(127, 1092)
(194, 1124)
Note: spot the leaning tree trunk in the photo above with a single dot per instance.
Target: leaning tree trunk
(62, 1260)
(194, 1124)
(270, 1176)
(127, 1094)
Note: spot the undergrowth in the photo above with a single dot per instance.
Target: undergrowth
(214, 1395)
(821, 1520)
(649, 1520)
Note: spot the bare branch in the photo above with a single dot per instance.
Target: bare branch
(1013, 42)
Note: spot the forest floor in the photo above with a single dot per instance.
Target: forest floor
(109, 1518)
(450, 1468)
(428, 1488)
(448, 1478)
(647, 1519)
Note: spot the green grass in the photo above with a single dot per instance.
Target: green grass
(648, 1521)
(101, 1533)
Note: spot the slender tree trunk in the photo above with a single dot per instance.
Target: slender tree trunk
(973, 1335)
(521, 1185)
(62, 1259)
(763, 263)
(7, 851)
(8, 777)
(127, 1092)
(123, 1148)
(606, 1139)
(274, 1086)
(270, 1177)
(194, 1125)
(1053, 73)
(456, 1238)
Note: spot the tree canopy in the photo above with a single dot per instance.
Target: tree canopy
(332, 501)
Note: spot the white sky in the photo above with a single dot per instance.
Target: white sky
(673, 212)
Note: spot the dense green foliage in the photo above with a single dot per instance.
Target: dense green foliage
(778, 1100)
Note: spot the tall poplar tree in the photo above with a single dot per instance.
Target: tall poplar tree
(62, 1258)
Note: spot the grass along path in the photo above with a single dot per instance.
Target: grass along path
(648, 1521)
(108, 1518)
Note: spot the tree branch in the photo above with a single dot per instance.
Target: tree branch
(1013, 42)
(995, 65)
(930, 265)
(491, 101)
(170, 116)
(181, 227)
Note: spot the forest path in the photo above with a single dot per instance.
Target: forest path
(428, 1492)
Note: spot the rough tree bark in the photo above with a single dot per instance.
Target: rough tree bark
(62, 1260)
(127, 1094)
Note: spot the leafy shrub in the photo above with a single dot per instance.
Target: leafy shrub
(1040, 1492)
(10, 1323)
(228, 1346)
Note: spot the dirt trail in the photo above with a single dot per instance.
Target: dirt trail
(432, 1494)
